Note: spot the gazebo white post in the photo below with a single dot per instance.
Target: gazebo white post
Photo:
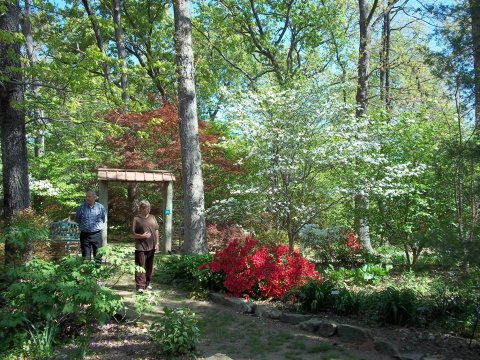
(167, 216)
(103, 199)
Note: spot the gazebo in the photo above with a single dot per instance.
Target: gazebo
(139, 176)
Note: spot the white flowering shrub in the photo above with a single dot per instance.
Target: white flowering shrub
(43, 187)
(324, 245)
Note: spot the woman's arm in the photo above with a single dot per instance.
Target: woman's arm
(145, 235)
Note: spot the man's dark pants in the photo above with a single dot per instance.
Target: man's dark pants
(90, 242)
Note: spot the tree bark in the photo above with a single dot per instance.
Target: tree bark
(98, 38)
(361, 198)
(475, 17)
(385, 60)
(195, 241)
(13, 134)
(32, 58)
(120, 42)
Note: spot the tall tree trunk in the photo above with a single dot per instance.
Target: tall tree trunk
(120, 42)
(385, 60)
(98, 38)
(361, 199)
(475, 17)
(13, 135)
(459, 182)
(195, 241)
(32, 58)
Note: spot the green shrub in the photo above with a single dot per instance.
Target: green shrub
(396, 306)
(176, 332)
(24, 233)
(313, 296)
(453, 302)
(42, 295)
(347, 302)
(185, 272)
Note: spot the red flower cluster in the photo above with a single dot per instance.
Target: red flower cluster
(352, 242)
(267, 271)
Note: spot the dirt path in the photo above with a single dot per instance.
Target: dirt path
(239, 336)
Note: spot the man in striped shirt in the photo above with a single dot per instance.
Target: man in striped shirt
(91, 218)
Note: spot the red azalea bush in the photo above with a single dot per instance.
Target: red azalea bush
(266, 271)
(352, 243)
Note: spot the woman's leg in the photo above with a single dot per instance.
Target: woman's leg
(140, 279)
(149, 266)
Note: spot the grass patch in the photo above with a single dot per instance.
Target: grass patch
(297, 344)
(278, 339)
(290, 355)
(320, 348)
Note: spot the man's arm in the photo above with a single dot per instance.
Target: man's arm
(78, 215)
(104, 215)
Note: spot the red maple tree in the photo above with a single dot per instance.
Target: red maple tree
(151, 140)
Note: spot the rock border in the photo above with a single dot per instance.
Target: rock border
(345, 332)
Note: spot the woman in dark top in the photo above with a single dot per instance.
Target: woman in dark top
(145, 233)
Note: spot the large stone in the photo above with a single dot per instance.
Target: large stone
(218, 356)
(293, 318)
(410, 356)
(354, 334)
(386, 348)
(240, 305)
(327, 329)
(266, 311)
(311, 325)
(218, 298)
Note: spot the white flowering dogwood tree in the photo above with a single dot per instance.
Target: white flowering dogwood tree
(304, 154)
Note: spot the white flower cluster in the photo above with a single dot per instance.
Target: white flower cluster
(312, 234)
(43, 187)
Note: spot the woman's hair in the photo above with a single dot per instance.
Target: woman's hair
(144, 204)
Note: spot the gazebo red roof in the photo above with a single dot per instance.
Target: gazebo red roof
(132, 175)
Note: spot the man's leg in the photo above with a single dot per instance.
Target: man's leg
(85, 246)
(96, 243)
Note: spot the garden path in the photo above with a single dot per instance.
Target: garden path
(239, 336)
